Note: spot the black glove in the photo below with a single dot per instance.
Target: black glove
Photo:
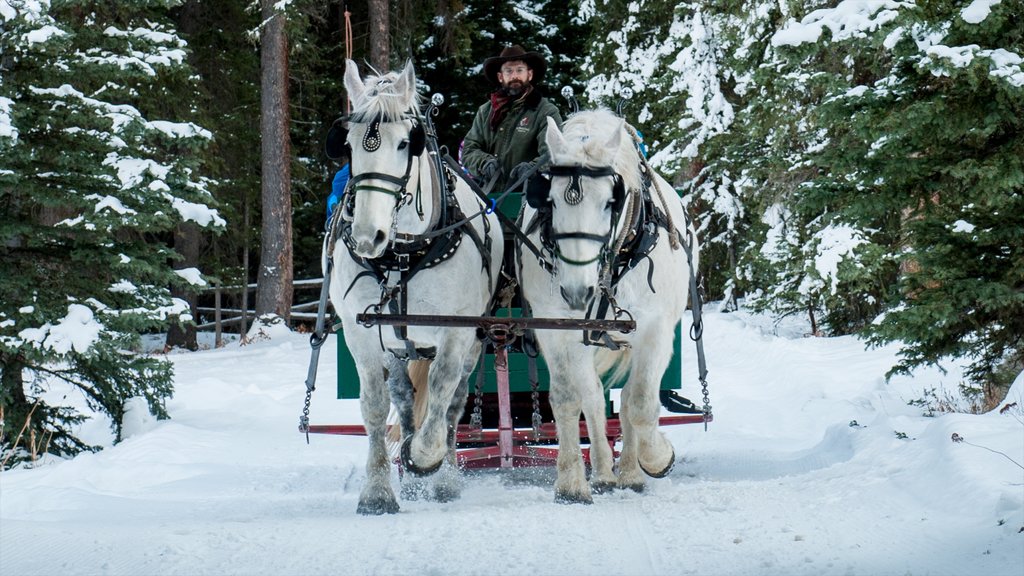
(519, 171)
(489, 168)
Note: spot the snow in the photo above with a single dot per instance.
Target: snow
(813, 465)
(849, 19)
(78, 330)
(978, 11)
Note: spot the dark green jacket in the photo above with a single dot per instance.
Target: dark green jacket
(519, 137)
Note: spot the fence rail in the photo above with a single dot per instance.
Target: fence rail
(241, 314)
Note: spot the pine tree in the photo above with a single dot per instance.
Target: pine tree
(943, 134)
(95, 175)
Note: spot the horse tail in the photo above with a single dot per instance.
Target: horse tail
(612, 365)
(417, 371)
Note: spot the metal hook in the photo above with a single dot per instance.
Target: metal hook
(569, 95)
(627, 93)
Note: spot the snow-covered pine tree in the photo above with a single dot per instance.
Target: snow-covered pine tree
(689, 67)
(934, 151)
(94, 175)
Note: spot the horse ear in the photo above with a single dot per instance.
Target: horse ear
(406, 83)
(616, 138)
(553, 136)
(353, 83)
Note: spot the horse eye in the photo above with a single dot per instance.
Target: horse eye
(403, 144)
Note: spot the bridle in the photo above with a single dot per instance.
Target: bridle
(573, 195)
(371, 142)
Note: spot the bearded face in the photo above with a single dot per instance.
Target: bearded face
(515, 77)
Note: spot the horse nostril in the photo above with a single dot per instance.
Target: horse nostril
(379, 238)
(590, 293)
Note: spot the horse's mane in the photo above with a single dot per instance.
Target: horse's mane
(382, 99)
(591, 129)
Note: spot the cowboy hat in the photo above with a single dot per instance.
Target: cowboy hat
(515, 52)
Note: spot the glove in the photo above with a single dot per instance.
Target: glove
(519, 171)
(489, 169)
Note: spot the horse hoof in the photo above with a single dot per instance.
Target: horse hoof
(377, 507)
(602, 487)
(411, 466)
(638, 488)
(665, 471)
(569, 498)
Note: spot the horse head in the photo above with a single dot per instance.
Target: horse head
(586, 197)
(386, 139)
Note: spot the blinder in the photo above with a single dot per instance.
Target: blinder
(336, 144)
(538, 188)
(417, 139)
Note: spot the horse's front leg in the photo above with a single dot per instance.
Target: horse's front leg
(448, 486)
(566, 399)
(377, 497)
(425, 451)
(644, 445)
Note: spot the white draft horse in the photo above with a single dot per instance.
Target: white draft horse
(609, 226)
(402, 243)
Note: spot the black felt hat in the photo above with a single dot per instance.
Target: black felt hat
(515, 52)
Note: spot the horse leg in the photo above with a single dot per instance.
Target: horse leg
(654, 453)
(424, 452)
(377, 497)
(403, 396)
(448, 486)
(566, 404)
(602, 477)
(630, 475)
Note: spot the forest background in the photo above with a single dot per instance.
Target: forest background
(860, 163)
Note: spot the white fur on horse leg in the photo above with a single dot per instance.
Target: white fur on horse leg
(571, 485)
(602, 478)
(654, 452)
(630, 475)
(448, 483)
(377, 497)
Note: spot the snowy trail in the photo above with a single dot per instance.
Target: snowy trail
(780, 484)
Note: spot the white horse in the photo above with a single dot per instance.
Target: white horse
(607, 220)
(406, 245)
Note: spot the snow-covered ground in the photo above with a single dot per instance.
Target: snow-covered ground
(814, 465)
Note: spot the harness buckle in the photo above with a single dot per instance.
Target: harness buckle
(402, 260)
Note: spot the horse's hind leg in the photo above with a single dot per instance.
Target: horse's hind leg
(630, 475)
(377, 497)
(602, 477)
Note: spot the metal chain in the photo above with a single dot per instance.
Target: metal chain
(707, 402)
(476, 418)
(304, 419)
(536, 418)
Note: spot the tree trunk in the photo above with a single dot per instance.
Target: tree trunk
(187, 240)
(14, 405)
(274, 281)
(380, 35)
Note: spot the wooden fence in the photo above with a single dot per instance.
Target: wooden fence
(239, 311)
